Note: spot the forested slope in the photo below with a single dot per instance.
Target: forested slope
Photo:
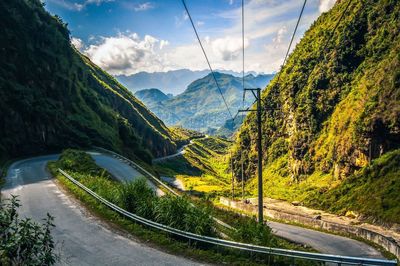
(335, 109)
(53, 97)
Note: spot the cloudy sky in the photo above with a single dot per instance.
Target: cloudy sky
(129, 36)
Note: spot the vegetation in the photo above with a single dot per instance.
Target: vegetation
(173, 211)
(136, 196)
(60, 98)
(332, 111)
(202, 168)
(200, 107)
(23, 241)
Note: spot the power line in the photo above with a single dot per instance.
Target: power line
(291, 40)
(205, 55)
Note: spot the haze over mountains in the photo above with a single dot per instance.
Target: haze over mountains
(175, 81)
(200, 106)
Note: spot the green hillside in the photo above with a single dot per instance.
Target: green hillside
(52, 97)
(333, 111)
(200, 106)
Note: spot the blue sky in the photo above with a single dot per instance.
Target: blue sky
(129, 36)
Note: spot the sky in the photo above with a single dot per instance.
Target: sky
(130, 36)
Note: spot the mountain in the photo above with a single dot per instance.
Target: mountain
(174, 82)
(52, 97)
(200, 107)
(150, 96)
(334, 130)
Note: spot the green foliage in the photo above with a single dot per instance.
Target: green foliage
(137, 197)
(23, 241)
(254, 233)
(77, 161)
(179, 213)
(332, 111)
(374, 191)
(60, 98)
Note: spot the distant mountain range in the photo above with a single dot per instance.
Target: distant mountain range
(200, 106)
(174, 82)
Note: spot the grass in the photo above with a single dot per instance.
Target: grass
(100, 181)
(202, 168)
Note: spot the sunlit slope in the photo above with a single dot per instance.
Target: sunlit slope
(52, 97)
(333, 111)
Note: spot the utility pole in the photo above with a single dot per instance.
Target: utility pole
(242, 181)
(233, 178)
(257, 95)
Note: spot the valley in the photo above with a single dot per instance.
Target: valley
(141, 143)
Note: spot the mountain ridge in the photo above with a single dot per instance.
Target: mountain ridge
(334, 112)
(53, 97)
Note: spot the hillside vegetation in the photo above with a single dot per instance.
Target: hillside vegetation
(53, 97)
(332, 130)
(200, 106)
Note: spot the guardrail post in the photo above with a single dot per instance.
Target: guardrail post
(292, 262)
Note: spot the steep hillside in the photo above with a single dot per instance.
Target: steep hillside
(335, 110)
(52, 97)
(200, 106)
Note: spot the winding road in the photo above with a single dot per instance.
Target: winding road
(84, 240)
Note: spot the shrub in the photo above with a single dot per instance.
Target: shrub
(78, 161)
(23, 241)
(178, 213)
(137, 197)
(250, 231)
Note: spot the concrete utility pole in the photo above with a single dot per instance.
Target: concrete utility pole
(257, 95)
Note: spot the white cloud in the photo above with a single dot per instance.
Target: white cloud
(78, 43)
(127, 54)
(279, 35)
(325, 5)
(228, 48)
(144, 6)
(72, 5)
(200, 23)
(163, 43)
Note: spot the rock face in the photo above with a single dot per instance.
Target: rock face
(336, 105)
(52, 97)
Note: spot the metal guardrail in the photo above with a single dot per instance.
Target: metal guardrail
(340, 260)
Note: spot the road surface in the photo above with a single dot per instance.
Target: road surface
(120, 170)
(324, 242)
(83, 239)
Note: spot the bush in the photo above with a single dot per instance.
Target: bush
(23, 241)
(178, 213)
(78, 161)
(137, 197)
(250, 231)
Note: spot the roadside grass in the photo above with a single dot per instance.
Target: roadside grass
(102, 183)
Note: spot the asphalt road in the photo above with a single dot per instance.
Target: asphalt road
(325, 243)
(82, 239)
(120, 169)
